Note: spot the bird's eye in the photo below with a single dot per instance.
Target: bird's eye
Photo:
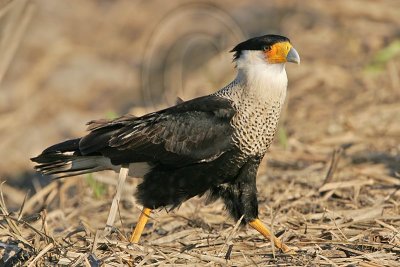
(266, 48)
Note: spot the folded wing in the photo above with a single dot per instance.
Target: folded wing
(194, 131)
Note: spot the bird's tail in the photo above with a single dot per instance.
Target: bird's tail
(65, 159)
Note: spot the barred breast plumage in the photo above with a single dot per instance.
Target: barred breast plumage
(258, 102)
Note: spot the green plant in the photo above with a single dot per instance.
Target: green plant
(383, 56)
(98, 188)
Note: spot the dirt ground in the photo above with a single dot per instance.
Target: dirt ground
(329, 186)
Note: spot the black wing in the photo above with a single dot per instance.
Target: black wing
(192, 131)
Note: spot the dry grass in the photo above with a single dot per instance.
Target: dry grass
(351, 219)
(329, 187)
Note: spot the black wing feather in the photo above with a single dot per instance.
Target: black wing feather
(191, 131)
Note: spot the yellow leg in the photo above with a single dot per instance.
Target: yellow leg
(260, 227)
(137, 233)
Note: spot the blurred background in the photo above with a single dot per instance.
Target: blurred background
(64, 63)
(329, 184)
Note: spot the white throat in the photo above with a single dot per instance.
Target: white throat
(267, 82)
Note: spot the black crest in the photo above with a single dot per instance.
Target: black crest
(258, 43)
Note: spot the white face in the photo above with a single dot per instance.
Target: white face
(252, 58)
(264, 79)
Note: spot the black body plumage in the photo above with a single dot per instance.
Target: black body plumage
(188, 147)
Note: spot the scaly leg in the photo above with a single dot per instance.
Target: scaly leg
(260, 227)
(137, 233)
(123, 173)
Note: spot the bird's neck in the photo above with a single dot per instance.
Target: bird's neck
(264, 83)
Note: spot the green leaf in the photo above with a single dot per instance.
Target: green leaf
(383, 56)
(111, 115)
(98, 188)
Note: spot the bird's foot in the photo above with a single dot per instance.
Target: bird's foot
(137, 233)
(260, 227)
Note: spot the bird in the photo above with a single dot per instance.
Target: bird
(211, 145)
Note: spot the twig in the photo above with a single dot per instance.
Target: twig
(39, 195)
(5, 213)
(231, 234)
(327, 260)
(44, 251)
(337, 153)
(21, 209)
(123, 173)
(28, 225)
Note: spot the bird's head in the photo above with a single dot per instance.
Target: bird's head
(269, 49)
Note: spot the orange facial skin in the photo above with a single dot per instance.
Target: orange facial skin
(278, 52)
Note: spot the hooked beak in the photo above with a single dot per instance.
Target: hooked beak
(293, 56)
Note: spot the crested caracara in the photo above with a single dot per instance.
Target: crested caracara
(212, 144)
